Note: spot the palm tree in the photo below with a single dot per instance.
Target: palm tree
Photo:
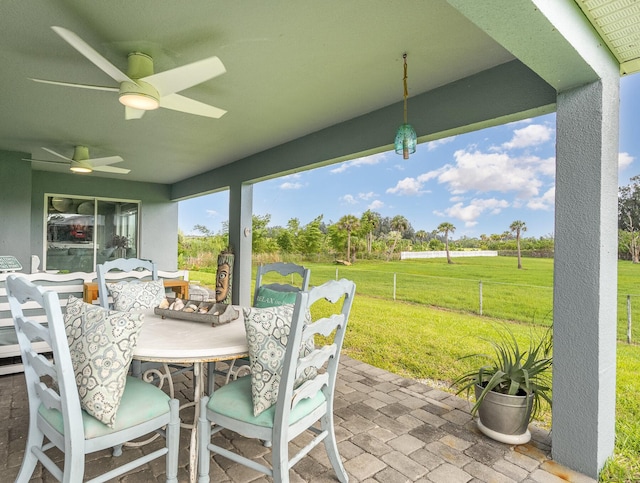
(518, 226)
(370, 220)
(422, 235)
(400, 224)
(446, 228)
(348, 223)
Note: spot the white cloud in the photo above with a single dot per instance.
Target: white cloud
(545, 202)
(423, 178)
(484, 172)
(624, 161)
(455, 199)
(375, 205)
(532, 135)
(290, 186)
(546, 167)
(211, 213)
(439, 142)
(407, 187)
(354, 200)
(471, 212)
(356, 163)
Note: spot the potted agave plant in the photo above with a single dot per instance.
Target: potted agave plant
(510, 386)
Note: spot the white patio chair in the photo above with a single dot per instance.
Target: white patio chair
(54, 403)
(297, 409)
(122, 265)
(286, 292)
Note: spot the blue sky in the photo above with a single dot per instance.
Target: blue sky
(480, 181)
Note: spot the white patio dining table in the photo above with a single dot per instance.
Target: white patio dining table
(173, 341)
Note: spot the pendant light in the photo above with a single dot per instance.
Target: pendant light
(406, 139)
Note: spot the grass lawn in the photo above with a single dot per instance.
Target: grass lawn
(434, 322)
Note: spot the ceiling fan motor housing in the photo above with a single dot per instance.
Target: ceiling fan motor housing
(139, 94)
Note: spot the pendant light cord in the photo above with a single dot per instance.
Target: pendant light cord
(406, 91)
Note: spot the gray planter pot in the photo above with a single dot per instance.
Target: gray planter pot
(505, 418)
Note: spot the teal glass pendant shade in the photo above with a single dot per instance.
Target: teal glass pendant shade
(406, 140)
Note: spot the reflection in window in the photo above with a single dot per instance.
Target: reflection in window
(82, 232)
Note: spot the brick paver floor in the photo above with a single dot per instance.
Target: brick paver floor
(390, 429)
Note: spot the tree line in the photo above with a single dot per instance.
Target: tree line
(373, 236)
(370, 236)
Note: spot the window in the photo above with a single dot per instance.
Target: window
(82, 232)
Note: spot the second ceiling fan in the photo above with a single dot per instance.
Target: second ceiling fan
(82, 163)
(140, 89)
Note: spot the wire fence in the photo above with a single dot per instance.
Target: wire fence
(489, 298)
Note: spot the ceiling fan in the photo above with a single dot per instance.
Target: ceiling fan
(140, 89)
(82, 163)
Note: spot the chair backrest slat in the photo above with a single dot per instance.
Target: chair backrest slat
(42, 365)
(283, 269)
(33, 330)
(48, 397)
(309, 388)
(324, 326)
(316, 358)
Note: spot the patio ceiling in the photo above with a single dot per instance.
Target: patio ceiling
(293, 68)
(618, 23)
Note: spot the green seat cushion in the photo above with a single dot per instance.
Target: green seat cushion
(140, 402)
(234, 401)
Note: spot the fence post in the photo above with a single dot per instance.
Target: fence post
(629, 319)
(480, 287)
(394, 285)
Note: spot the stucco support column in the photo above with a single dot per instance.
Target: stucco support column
(15, 200)
(585, 276)
(240, 218)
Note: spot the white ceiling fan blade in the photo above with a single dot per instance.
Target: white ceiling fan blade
(111, 169)
(70, 84)
(95, 162)
(51, 151)
(181, 78)
(91, 54)
(46, 161)
(131, 113)
(184, 104)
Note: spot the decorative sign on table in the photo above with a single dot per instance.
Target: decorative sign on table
(197, 311)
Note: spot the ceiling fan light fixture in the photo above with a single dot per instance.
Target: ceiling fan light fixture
(406, 138)
(81, 167)
(139, 95)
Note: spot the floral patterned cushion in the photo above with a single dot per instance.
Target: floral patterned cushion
(101, 344)
(267, 335)
(129, 296)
